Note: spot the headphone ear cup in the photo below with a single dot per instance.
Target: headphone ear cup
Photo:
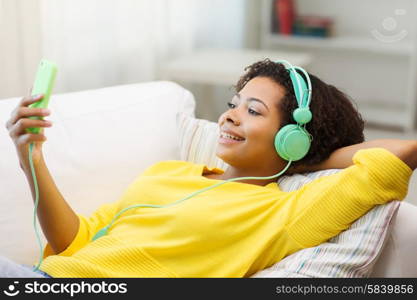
(292, 142)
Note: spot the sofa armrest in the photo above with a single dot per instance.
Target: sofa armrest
(397, 258)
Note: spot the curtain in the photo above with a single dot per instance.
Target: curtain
(95, 43)
(19, 46)
(112, 42)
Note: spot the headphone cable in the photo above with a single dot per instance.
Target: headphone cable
(103, 231)
(35, 183)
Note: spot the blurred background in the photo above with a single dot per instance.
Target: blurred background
(366, 48)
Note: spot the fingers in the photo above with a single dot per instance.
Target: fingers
(22, 110)
(25, 101)
(25, 112)
(19, 128)
(19, 122)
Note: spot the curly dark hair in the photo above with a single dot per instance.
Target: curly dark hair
(336, 121)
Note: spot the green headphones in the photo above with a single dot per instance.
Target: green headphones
(292, 141)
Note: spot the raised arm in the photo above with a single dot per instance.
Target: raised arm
(406, 150)
(326, 206)
(58, 221)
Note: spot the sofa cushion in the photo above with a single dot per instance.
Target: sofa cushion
(99, 142)
(352, 253)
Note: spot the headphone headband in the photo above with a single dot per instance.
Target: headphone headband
(298, 83)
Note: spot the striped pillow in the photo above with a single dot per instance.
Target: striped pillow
(352, 253)
(198, 141)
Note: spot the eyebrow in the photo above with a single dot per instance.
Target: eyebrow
(253, 99)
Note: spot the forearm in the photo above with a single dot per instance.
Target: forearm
(58, 221)
(341, 158)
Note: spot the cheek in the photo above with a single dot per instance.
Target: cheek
(260, 125)
(262, 136)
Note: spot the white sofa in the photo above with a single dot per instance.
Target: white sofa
(101, 140)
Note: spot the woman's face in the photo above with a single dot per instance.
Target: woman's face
(253, 118)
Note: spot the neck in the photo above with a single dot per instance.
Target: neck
(233, 172)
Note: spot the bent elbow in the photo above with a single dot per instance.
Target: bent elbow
(410, 154)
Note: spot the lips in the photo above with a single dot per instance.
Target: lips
(230, 137)
(231, 133)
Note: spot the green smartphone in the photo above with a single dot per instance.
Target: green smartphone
(44, 83)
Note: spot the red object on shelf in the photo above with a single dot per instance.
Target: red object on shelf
(315, 21)
(285, 13)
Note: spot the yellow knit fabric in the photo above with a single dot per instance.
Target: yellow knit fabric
(233, 230)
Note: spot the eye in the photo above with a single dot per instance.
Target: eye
(231, 105)
(252, 112)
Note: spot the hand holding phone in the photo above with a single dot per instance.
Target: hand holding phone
(44, 82)
(25, 124)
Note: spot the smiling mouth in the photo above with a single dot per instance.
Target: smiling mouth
(226, 138)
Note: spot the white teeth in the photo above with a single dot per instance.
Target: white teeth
(229, 136)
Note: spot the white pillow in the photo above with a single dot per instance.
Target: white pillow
(352, 253)
(99, 142)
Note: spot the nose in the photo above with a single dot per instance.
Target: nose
(233, 119)
(230, 116)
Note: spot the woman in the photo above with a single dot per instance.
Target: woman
(240, 227)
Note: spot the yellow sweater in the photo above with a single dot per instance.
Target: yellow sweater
(233, 230)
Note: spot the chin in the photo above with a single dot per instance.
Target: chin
(223, 157)
(229, 158)
(234, 155)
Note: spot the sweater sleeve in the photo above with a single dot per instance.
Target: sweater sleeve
(326, 206)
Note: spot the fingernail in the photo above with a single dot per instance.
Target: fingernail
(37, 96)
(46, 111)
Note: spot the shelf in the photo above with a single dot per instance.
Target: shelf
(366, 49)
(402, 48)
